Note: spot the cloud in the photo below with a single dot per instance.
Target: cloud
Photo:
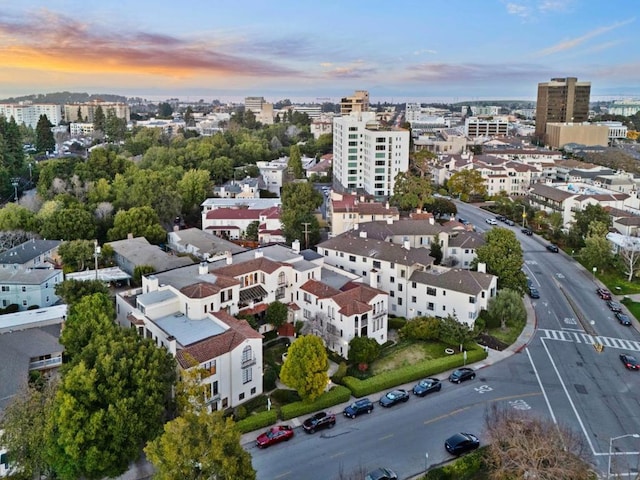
(356, 69)
(472, 72)
(518, 9)
(47, 41)
(574, 42)
(426, 50)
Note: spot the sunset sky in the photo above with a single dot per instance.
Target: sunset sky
(416, 50)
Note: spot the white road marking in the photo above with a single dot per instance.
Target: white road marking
(544, 393)
(581, 337)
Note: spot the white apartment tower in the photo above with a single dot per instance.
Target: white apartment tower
(367, 156)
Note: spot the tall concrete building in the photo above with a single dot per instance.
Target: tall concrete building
(562, 100)
(79, 112)
(366, 155)
(359, 102)
(27, 113)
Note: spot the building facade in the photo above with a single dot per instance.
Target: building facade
(29, 113)
(561, 100)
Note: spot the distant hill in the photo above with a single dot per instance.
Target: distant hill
(65, 97)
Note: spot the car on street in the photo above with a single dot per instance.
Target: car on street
(614, 306)
(319, 421)
(463, 221)
(623, 319)
(277, 434)
(552, 248)
(629, 361)
(502, 218)
(381, 474)
(426, 386)
(509, 222)
(461, 443)
(533, 292)
(491, 221)
(393, 397)
(462, 374)
(604, 294)
(364, 405)
(527, 231)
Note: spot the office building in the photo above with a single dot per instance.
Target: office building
(26, 113)
(359, 102)
(562, 100)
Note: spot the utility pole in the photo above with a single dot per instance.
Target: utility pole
(96, 254)
(306, 234)
(15, 181)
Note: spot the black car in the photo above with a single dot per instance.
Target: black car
(623, 319)
(629, 361)
(502, 218)
(526, 231)
(552, 248)
(393, 397)
(426, 386)
(614, 306)
(319, 421)
(364, 405)
(533, 292)
(509, 222)
(381, 474)
(462, 374)
(461, 443)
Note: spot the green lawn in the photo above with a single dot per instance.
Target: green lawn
(613, 280)
(510, 334)
(407, 353)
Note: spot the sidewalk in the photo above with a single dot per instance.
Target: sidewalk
(493, 356)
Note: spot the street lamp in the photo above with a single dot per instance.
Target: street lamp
(634, 435)
(14, 183)
(524, 215)
(96, 254)
(594, 270)
(426, 462)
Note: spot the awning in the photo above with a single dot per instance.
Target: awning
(251, 293)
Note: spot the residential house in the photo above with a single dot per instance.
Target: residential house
(246, 188)
(346, 211)
(200, 244)
(28, 287)
(133, 252)
(232, 223)
(33, 254)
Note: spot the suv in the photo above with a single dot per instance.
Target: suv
(318, 421)
(359, 406)
(527, 231)
(552, 248)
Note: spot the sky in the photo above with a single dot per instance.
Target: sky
(315, 51)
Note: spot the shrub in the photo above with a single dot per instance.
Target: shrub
(340, 373)
(269, 378)
(466, 467)
(396, 323)
(257, 421)
(336, 395)
(283, 396)
(241, 413)
(425, 368)
(492, 322)
(422, 328)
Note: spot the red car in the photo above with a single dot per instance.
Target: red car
(277, 434)
(604, 293)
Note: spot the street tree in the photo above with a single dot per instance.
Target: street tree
(76, 255)
(629, 256)
(502, 254)
(467, 183)
(99, 119)
(299, 202)
(597, 249)
(305, 368)
(455, 332)
(72, 291)
(276, 314)
(411, 191)
(140, 222)
(441, 207)
(588, 215)
(523, 446)
(363, 351)
(555, 222)
(294, 165)
(45, 142)
(252, 230)
(72, 223)
(507, 307)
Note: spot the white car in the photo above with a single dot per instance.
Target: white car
(491, 221)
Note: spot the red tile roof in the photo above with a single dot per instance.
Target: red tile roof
(319, 289)
(262, 264)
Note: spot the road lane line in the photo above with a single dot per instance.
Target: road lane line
(446, 415)
(544, 393)
(575, 411)
(386, 436)
(336, 455)
(282, 475)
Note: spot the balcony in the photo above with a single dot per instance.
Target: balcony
(248, 362)
(379, 314)
(212, 399)
(47, 363)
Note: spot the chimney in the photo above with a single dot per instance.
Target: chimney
(259, 253)
(386, 206)
(356, 226)
(406, 244)
(203, 268)
(373, 278)
(363, 234)
(295, 246)
(482, 267)
(432, 220)
(229, 257)
(129, 236)
(390, 221)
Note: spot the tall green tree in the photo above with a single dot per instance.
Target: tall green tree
(363, 351)
(45, 142)
(276, 314)
(294, 164)
(252, 231)
(502, 254)
(455, 332)
(165, 110)
(72, 291)
(17, 217)
(411, 191)
(467, 183)
(140, 222)
(507, 307)
(299, 202)
(72, 223)
(305, 368)
(597, 249)
(115, 128)
(11, 151)
(77, 255)
(99, 119)
(588, 215)
(194, 187)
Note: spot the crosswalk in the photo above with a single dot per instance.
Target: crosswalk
(580, 337)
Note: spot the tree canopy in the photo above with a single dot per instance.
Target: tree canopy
(305, 368)
(467, 183)
(507, 307)
(299, 202)
(502, 255)
(140, 222)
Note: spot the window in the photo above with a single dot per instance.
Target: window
(376, 264)
(247, 354)
(413, 300)
(24, 289)
(253, 391)
(392, 279)
(430, 306)
(210, 367)
(5, 288)
(414, 284)
(392, 293)
(241, 396)
(247, 375)
(402, 273)
(472, 299)
(399, 287)
(431, 291)
(352, 258)
(399, 301)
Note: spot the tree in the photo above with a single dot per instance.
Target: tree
(421, 328)
(502, 254)
(72, 291)
(454, 332)
(193, 187)
(24, 421)
(17, 217)
(77, 254)
(436, 253)
(363, 351)
(294, 165)
(589, 214)
(140, 222)
(251, 232)
(139, 271)
(276, 314)
(165, 110)
(299, 202)
(507, 307)
(441, 207)
(467, 183)
(115, 128)
(411, 191)
(99, 119)
(524, 446)
(629, 255)
(44, 136)
(189, 121)
(305, 368)
(68, 224)
(597, 249)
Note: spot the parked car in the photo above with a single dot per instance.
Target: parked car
(319, 421)
(381, 474)
(491, 221)
(527, 231)
(509, 222)
(501, 218)
(614, 306)
(393, 397)
(426, 386)
(461, 443)
(623, 319)
(533, 292)
(629, 361)
(462, 374)
(277, 434)
(604, 294)
(552, 248)
(364, 405)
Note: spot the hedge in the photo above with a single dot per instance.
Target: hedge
(257, 421)
(336, 395)
(425, 368)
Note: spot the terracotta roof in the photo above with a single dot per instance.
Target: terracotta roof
(319, 289)
(213, 347)
(262, 264)
(355, 300)
(200, 290)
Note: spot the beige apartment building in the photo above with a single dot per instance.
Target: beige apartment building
(561, 100)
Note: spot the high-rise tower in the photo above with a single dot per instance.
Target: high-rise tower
(559, 101)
